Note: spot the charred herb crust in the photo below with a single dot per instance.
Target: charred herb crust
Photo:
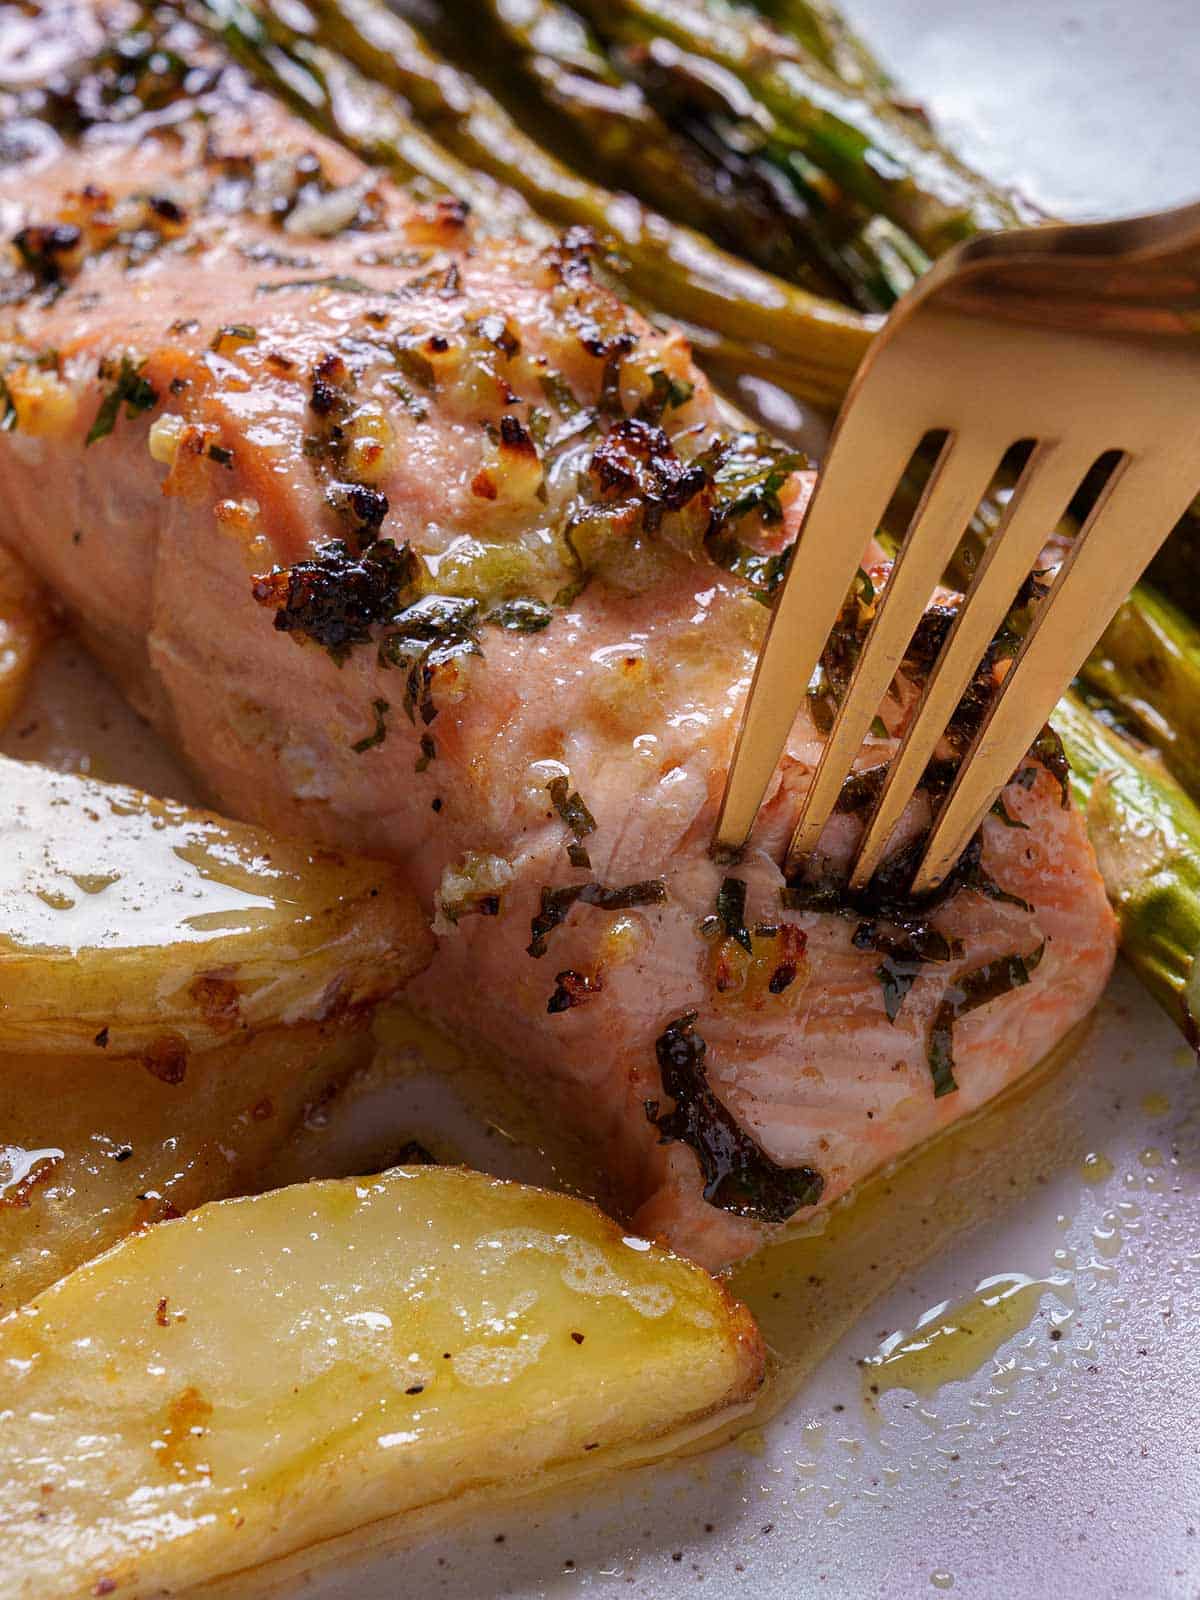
(899, 927)
(335, 597)
(738, 1174)
(963, 994)
(129, 388)
(572, 989)
(574, 812)
(557, 903)
(636, 462)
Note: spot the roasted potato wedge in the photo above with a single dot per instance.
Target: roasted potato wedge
(142, 928)
(91, 1148)
(174, 991)
(26, 623)
(270, 1372)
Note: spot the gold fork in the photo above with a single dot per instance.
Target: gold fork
(1079, 340)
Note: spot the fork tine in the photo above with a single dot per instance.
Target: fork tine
(1140, 504)
(848, 503)
(960, 477)
(1043, 493)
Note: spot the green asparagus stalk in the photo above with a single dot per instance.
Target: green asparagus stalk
(365, 118)
(1147, 668)
(886, 160)
(1146, 834)
(821, 30)
(733, 308)
(750, 199)
(622, 135)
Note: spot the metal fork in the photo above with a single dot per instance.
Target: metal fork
(1081, 340)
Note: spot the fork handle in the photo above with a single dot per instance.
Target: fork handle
(1138, 277)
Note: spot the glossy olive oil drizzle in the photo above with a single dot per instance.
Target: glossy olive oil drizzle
(951, 1342)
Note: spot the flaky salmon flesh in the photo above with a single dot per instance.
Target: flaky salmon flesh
(414, 538)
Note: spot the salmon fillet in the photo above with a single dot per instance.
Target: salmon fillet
(415, 539)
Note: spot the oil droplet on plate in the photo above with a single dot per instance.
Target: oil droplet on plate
(1156, 1105)
(951, 1342)
(1095, 1168)
(942, 1580)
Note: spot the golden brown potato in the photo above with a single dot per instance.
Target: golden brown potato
(143, 928)
(26, 623)
(270, 1372)
(91, 1148)
(174, 990)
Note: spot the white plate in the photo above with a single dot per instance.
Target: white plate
(1068, 1461)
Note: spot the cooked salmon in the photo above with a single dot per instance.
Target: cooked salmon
(414, 538)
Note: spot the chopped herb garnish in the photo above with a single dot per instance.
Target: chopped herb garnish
(1048, 748)
(334, 280)
(559, 392)
(578, 856)
(764, 573)
(747, 474)
(8, 409)
(666, 394)
(379, 733)
(894, 924)
(897, 973)
(965, 993)
(221, 455)
(999, 809)
(129, 388)
(739, 1176)
(417, 409)
(556, 903)
(428, 754)
(415, 366)
(731, 910)
(571, 808)
(572, 989)
(234, 333)
(334, 597)
(430, 633)
(520, 616)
